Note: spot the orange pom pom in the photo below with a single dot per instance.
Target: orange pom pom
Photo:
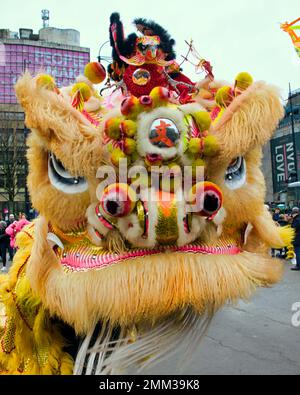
(131, 107)
(95, 72)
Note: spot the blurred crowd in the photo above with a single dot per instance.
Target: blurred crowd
(7, 249)
(291, 217)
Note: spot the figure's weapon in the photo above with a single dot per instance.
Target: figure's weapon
(104, 58)
(291, 29)
(201, 65)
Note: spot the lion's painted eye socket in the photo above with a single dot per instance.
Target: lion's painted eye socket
(236, 173)
(62, 180)
(118, 201)
(207, 199)
(212, 203)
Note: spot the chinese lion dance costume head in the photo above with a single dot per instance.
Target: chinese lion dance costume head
(151, 211)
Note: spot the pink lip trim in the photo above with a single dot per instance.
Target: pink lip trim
(153, 158)
(83, 260)
(107, 224)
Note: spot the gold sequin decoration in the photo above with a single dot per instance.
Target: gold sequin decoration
(2, 319)
(42, 356)
(167, 232)
(141, 214)
(8, 339)
(71, 237)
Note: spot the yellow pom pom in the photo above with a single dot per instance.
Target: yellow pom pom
(243, 81)
(129, 146)
(47, 82)
(211, 146)
(116, 156)
(95, 72)
(129, 128)
(83, 89)
(196, 146)
(160, 96)
(224, 96)
(112, 128)
(203, 120)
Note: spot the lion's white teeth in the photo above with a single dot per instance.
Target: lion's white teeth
(220, 217)
(247, 232)
(53, 241)
(219, 230)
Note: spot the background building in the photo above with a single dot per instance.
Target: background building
(280, 164)
(53, 51)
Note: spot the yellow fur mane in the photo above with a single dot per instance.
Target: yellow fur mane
(29, 343)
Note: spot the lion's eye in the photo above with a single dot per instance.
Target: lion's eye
(236, 173)
(62, 180)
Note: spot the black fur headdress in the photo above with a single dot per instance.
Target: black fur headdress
(121, 46)
(125, 46)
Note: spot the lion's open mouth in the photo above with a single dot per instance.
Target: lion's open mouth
(77, 253)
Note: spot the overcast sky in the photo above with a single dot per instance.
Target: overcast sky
(234, 35)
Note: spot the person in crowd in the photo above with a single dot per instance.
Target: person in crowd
(283, 220)
(4, 245)
(22, 216)
(296, 226)
(13, 229)
(11, 220)
(276, 215)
